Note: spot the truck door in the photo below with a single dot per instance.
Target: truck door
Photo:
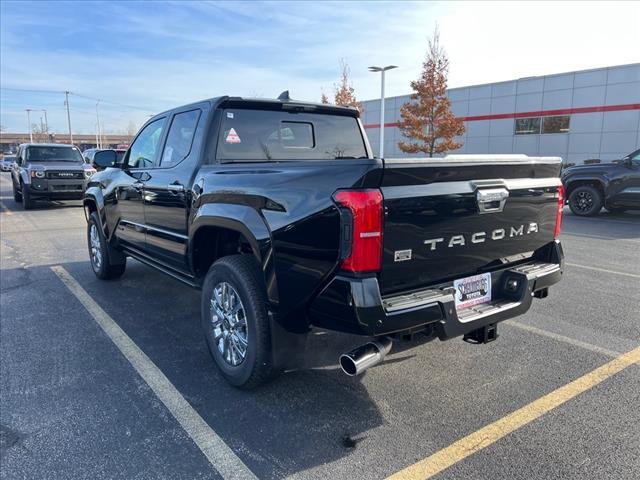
(129, 205)
(628, 194)
(167, 195)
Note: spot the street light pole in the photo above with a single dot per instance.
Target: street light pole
(46, 122)
(382, 70)
(98, 131)
(29, 124)
(66, 104)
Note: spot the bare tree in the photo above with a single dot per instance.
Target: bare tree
(131, 129)
(40, 133)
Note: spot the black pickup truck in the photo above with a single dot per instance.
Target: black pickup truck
(614, 185)
(278, 211)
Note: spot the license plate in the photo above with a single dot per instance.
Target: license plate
(472, 290)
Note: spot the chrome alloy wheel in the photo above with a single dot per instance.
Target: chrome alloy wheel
(96, 251)
(229, 323)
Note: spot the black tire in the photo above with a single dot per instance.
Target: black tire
(27, 201)
(17, 196)
(585, 201)
(110, 264)
(243, 274)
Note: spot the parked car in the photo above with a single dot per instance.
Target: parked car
(614, 186)
(90, 153)
(278, 211)
(48, 171)
(7, 163)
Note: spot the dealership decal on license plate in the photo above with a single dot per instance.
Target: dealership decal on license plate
(472, 290)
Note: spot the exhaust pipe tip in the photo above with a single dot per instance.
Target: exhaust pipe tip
(348, 365)
(359, 359)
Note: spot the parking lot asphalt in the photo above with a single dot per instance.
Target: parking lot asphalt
(72, 405)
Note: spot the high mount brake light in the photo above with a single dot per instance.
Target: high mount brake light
(559, 211)
(361, 229)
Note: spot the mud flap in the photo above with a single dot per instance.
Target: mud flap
(287, 348)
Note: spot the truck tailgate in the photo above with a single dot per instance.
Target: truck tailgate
(458, 216)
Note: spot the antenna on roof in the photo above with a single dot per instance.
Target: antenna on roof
(284, 96)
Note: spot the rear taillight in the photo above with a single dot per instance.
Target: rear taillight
(361, 229)
(559, 212)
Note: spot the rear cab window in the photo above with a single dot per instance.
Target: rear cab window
(180, 137)
(252, 135)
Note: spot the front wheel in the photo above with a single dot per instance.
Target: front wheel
(106, 263)
(585, 201)
(27, 201)
(236, 322)
(17, 196)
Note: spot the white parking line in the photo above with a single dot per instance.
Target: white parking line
(227, 463)
(632, 275)
(563, 338)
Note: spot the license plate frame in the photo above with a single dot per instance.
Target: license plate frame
(473, 290)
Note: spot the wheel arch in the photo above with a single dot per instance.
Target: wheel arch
(93, 201)
(222, 229)
(596, 182)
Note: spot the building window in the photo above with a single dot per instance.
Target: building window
(537, 125)
(555, 124)
(526, 126)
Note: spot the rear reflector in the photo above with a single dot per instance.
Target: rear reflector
(559, 213)
(361, 229)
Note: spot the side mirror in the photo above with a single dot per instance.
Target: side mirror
(105, 159)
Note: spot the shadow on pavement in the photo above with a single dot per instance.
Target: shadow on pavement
(303, 419)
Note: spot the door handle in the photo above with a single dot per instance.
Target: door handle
(175, 187)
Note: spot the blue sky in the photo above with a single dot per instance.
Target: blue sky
(143, 57)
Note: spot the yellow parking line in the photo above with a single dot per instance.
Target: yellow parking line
(493, 432)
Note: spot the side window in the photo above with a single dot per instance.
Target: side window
(179, 138)
(144, 149)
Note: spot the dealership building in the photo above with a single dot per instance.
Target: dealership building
(583, 115)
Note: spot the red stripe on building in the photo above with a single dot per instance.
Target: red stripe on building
(539, 113)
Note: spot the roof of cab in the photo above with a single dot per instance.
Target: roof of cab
(228, 101)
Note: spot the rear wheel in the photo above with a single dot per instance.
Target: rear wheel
(585, 201)
(236, 322)
(106, 262)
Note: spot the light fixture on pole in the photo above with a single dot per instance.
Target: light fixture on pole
(382, 70)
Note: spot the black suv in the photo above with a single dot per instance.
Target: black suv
(615, 186)
(49, 171)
